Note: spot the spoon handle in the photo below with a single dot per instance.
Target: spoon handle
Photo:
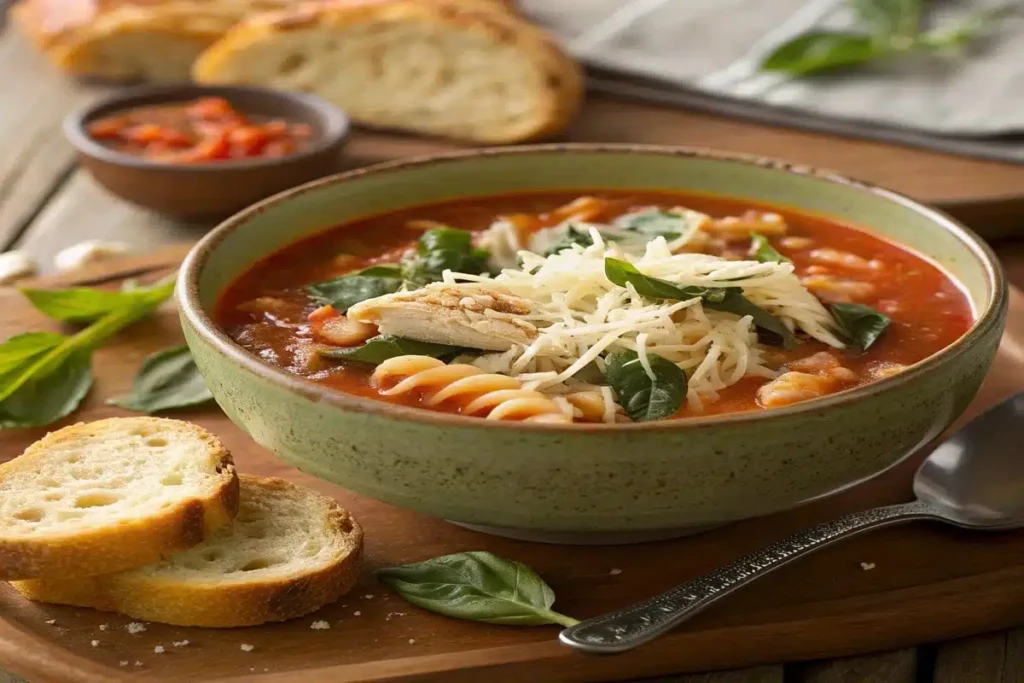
(625, 629)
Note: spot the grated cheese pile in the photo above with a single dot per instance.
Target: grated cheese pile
(583, 316)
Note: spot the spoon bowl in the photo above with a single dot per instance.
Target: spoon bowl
(972, 480)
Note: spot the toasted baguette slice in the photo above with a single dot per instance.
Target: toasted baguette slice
(290, 552)
(446, 68)
(113, 494)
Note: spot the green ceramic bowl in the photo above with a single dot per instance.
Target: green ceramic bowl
(600, 483)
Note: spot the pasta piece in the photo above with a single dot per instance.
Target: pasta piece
(597, 405)
(496, 397)
(738, 228)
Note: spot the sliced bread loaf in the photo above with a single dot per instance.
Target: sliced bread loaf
(290, 552)
(452, 68)
(113, 494)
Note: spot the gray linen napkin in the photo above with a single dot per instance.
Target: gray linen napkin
(705, 54)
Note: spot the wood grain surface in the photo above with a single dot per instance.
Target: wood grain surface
(929, 583)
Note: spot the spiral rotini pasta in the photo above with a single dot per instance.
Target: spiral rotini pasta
(498, 397)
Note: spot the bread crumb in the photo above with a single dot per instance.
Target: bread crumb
(51, 622)
(135, 627)
(123, 662)
(357, 613)
(394, 614)
(615, 571)
(104, 627)
(159, 649)
(138, 663)
(246, 647)
(867, 566)
(95, 643)
(320, 625)
(412, 641)
(369, 596)
(180, 643)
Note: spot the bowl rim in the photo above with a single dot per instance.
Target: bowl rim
(192, 311)
(336, 128)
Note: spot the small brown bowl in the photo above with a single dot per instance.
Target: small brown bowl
(214, 189)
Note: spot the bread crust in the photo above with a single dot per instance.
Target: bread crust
(562, 93)
(119, 546)
(215, 605)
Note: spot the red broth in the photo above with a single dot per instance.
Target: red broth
(265, 310)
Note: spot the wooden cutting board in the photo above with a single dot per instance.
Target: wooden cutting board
(888, 589)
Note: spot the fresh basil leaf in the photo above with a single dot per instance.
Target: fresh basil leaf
(654, 223)
(443, 249)
(861, 325)
(643, 398)
(821, 51)
(24, 348)
(730, 300)
(166, 380)
(888, 18)
(382, 347)
(763, 250)
(86, 304)
(572, 236)
(49, 397)
(477, 586)
(349, 290)
(49, 384)
(623, 272)
(385, 270)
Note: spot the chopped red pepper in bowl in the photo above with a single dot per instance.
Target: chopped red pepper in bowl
(204, 130)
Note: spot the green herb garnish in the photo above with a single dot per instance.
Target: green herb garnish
(645, 398)
(861, 325)
(477, 586)
(572, 236)
(655, 223)
(890, 28)
(166, 380)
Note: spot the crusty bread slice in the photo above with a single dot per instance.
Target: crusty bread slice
(113, 494)
(441, 67)
(131, 39)
(290, 552)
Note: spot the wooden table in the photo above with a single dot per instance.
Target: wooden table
(46, 204)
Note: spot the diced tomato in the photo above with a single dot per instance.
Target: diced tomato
(106, 128)
(144, 132)
(276, 128)
(210, 108)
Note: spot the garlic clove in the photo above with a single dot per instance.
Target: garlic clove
(89, 252)
(15, 265)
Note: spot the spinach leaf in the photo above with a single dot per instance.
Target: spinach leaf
(655, 223)
(770, 330)
(763, 250)
(49, 397)
(382, 347)
(45, 376)
(348, 290)
(622, 272)
(643, 398)
(572, 236)
(443, 249)
(477, 586)
(167, 379)
(728, 300)
(820, 51)
(861, 325)
(86, 305)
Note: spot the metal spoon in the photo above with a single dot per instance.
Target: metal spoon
(973, 480)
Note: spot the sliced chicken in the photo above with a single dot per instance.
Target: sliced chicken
(477, 317)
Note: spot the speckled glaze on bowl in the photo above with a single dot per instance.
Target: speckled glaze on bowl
(587, 483)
